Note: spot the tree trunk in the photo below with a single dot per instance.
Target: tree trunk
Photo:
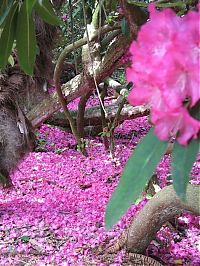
(163, 207)
(83, 83)
(78, 86)
(93, 115)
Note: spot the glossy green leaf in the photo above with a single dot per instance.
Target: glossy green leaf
(46, 12)
(7, 37)
(138, 170)
(5, 8)
(26, 40)
(183, 158)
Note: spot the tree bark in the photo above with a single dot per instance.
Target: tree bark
(164, 206)
(93, 115)
(81, 113)
(79, 85)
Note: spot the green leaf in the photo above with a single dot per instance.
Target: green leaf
(7, 37)
(183, 158)
(26, 40)
(5, 9)
(29, 5)
(138, 170)
(124, 27)
(46, 12)
(11, 60)
(25, 239)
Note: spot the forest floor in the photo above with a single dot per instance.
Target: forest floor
(54, 215)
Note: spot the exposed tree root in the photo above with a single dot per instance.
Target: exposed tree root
(163, 207)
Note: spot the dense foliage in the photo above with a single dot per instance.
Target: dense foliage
(18, 29)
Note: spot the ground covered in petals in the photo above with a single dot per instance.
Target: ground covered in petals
(54, 215)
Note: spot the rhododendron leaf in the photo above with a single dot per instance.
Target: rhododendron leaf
(7, 37)
(46, 12)
(183, 158)
(138, 170)
(26, 40)
(29, 5)
(5, 9)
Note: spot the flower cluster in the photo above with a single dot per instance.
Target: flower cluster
(165, 72)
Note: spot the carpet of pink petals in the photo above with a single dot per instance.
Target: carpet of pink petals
(55, 213)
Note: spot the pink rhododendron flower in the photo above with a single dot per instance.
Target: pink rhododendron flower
(165, 72)
(167, 123)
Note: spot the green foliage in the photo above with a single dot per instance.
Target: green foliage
(25, 39)
(124, 27)
(11, 60)
(137, 172)
(7, 36)
(29, 4)
(25, 239)
(179, 4)
(113, 4)
(5, 9)
(16, 22)
(45, 11)
(183, 158)
(180, 7)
